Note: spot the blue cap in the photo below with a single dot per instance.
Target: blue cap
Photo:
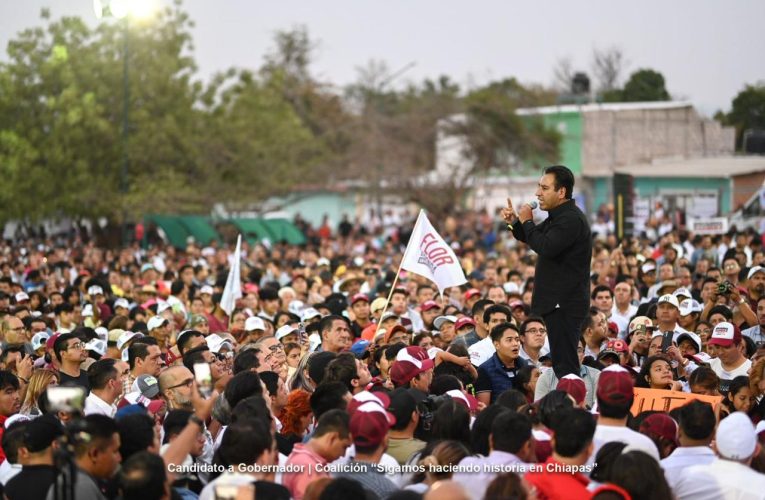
(359, 349)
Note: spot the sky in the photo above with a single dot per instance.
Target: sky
(707, 50)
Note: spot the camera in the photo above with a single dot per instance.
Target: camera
(724, 288)
(426, 408)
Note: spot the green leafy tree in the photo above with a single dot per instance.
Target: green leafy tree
(645, 85)
(747, 111)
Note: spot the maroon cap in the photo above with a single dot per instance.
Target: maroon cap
(52, 340)
(615, 386)
(613, 327)
(467, 400)
(725, 334)
(429, 304)
(411, 353)
(358, 297)
(369, 424)
(364, 397)
(660, 424)
(516, 303)
(472, 293)
(618, 345)
(573, 386)
(403, 371)
(463, 321)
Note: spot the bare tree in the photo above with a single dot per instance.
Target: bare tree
(607, 66)
(563, 73)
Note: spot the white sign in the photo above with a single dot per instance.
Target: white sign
(709, 225)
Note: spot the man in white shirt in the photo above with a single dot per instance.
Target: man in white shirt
(730, 362)
(105, 377)
(667, 314)
(757, 332)
(484, 349)
(623, 310)
(729, 476)
(696, 430)
(615, 395)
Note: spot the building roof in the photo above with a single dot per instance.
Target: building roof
(609, 106)
(721, 167)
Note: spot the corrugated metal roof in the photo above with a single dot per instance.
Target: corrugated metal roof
(610, 106)
(721, 167)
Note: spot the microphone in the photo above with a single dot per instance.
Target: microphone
(533, 204)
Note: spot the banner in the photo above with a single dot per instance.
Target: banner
(428, 255)
(710, 225)
(663, 400)
(233, 288)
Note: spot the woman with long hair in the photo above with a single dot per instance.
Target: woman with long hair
(656, 373)
(296, 416)
(739, 397)
(39, 382)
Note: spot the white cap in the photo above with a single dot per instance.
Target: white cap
(314, 341)
(125, 356)
(22, 296)
(126, 337)
(669, 299)
(308, 314)
(215, 342)
(511, 288)
(102, 333)
(691, 336)
(323, 261)
(755, 270)
(647, 268)
(155, 322)
(95, 290)
(87, 311)
(39, 339)
(254, 323)
(682, 292)
(96, 345)
(295, 307)
(284, 331)
(443, 319)
(736, 438)
(689, 306)
(19, 417)
(207, 289)
(122, 303)
(162, 307)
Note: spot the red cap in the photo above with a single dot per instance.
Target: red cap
(725, 334)
(358, 297)
(369, 424)
(395, 329)
(429, 304)
(516, 303)
(468, 400)
(364, 397)
(472, 293)
(615, 385)
(613, 327)
(617, 345)
(404, 370)
(660, 424)
(412, 352)
(464, 321)
(52, 340)
(573, 386)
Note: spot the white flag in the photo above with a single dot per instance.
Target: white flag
(428, 255)
(233, 288)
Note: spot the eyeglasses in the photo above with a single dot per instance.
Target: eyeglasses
(186, 383)
(76, 347)
(276, 348)
(222, 356)
(536, 330)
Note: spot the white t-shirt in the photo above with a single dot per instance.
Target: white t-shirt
(622, 320)
(636, 441)
(481, 351)
(716, 365)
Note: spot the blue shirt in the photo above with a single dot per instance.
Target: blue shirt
(495, 377)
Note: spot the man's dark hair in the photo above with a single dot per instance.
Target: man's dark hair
(343, 487)
(601, 288)
(722, 310)
(333, 421)
(574, 429)
(564, 178)
(271, 379)
(137, 350)
(60, 344)
(12, 348)
(243, 443)
(697, 420)
(175, 422)
(253, 407)
(400, 291)
(101, 430)
(342, 369)
(194, 356)
(13, 439)
(479, 306)
(136, 433)
(499, 330)
(529, 320)
(510, 431)
(496, 308)
(328, 396)
(392, 350)
(246, 360)
(62, 308)
(325, 324)
(101, 372)
(186, 338)
(613, 410)
(241, 386)
(143, 477)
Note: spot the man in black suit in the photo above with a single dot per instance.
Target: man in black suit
(562, 278)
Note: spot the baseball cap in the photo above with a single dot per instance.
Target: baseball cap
(464, 321)
(429, 304)
(21, 297)
(97, 346)
(359, 349)
(682, 292)
(692, 337)
(122, 303)
(725, 334)
(155, 322)
(640, 323)
(736, 438)
(412, 351)
(511, 288)
(363, 397)
(39, 339)
(254, 323)
(648, 267)
(127, 337)
(95, 290)
(378, 304)
(407, 367)
(468, 400)
(163, 306)
(284, 331)
(755, 270)
(573, 386)
(359, 296)
(215, 343)
(41, 432)
(102, 333)
(147, 385)
(668, 299)
(615, 386)
(439, 321)
(388, 315)
(52, 340)
(147, 267)
(206, 290)
(369, 424)
(323, 261)
(689, 306)
(472, 293)
(661, 425)
(396, 328)
(309, 313)
(197, 319)
(614, 347)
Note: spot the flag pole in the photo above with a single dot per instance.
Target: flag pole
(395, 279)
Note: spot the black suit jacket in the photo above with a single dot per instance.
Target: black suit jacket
(563, 244)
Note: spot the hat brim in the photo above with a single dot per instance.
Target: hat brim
(721, 342)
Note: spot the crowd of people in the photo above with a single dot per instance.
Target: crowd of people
(121, 376)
